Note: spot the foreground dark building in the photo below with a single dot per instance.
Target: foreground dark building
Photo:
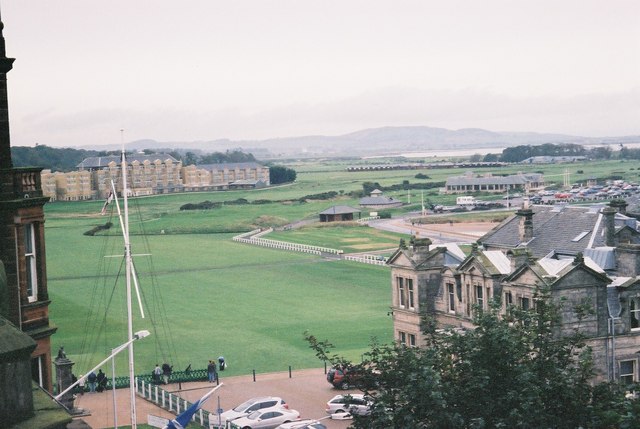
(22, 247)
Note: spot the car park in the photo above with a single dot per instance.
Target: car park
(356, 403)
(268, 418)
(249, 406)
(303, 424)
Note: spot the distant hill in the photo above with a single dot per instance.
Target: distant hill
(377, 141)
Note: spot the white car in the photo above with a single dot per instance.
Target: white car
(303, 424)
(249, 406)
(356, 403)
(269, 418)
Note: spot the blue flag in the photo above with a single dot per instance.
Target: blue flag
(181, 421)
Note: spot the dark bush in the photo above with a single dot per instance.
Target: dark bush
(98, 228)
(323, 196)
(205, 205)
(238, 202)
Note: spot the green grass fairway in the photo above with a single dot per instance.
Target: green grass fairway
(211, 297)
(349, 236)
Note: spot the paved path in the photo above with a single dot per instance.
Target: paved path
(306, 391)
(466, 232)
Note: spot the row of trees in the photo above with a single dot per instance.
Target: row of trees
(54, 159)
(236, 155)
(508, 372)
(67, 159)
(522, 152)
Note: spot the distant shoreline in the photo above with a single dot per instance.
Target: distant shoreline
(479, 151)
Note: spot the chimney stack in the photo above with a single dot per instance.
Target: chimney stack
(5, 144)
(609, 214)
(518, 257)
(620, 205)
(525, 227)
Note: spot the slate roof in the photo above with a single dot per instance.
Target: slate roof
(339, 210)
(567, 230)
(379, 201)
(103, 161)
(554, 267)
(14, 344)
(231, 166)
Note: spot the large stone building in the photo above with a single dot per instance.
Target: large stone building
(147, 174)
(22, 246)
(150, 175)
(224, 176)
(587, 256)
(72, 186)
(470, 183)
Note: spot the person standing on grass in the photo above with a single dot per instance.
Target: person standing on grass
(166, 372)
(211, 371)
(157, 374)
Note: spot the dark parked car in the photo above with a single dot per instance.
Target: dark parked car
(347, 378)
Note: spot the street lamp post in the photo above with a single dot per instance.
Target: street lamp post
(138, 335)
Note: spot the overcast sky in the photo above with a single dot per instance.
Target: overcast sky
(207, 69)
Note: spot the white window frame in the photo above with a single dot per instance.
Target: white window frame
(634, 310)
(401, 298)
(412, 340)
(31, 266)
(39, 362)
(451, 298)
(480, 296)
(410, 294)
(508, 299)
(402, 337)
(631, 377)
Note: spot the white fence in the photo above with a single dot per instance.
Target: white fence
(366, 259)
(170, 402)
(367, 219)
(253, 237)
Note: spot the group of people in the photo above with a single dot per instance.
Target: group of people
(212, 372)
(97, 382)
(162, 374)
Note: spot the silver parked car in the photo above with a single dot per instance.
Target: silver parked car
(356, 403)
(303, 424)
(268, 418)
(249, 406)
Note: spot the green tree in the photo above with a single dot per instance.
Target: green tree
(367, 187)
(235, 155)
(190, 158)
(476, 157)
(490, 157)
(279, 174)
(510, 371)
